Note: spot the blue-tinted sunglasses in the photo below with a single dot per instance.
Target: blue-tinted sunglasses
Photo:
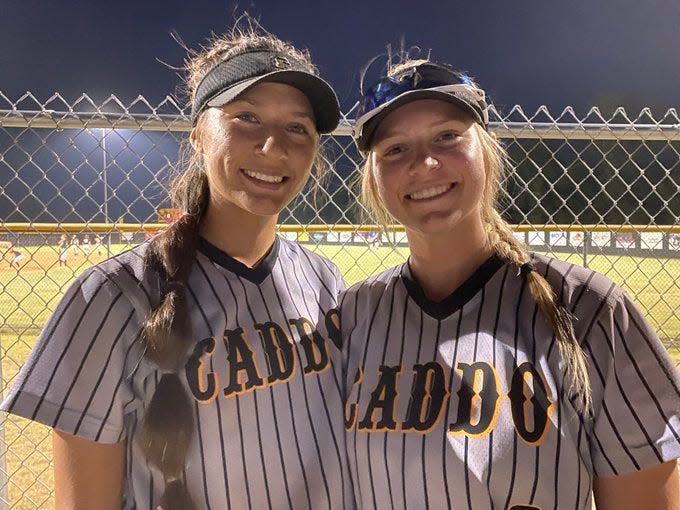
(421, 81)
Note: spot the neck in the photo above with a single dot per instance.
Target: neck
(442, 262)
(245, 237)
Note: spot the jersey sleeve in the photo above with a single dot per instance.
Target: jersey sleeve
(77, 378)
(637, 402)
(340, 284)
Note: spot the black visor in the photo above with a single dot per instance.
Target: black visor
(230, 78)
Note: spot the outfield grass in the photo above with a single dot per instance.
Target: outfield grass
(651, 282)
(29, 297)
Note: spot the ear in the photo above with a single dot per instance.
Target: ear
(196, 140)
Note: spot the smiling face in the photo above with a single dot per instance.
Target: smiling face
(428, 168)
(257, 150)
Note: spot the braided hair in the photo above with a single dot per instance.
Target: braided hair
(168, 423)
(503, 244)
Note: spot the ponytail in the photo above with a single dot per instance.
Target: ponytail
(513, 251)
(576, 372)
(168, 423)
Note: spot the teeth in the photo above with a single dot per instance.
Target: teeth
(264, 177)
(429, 192)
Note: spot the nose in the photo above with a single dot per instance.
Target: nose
(425, 160)
(272, 146)
(431, 162)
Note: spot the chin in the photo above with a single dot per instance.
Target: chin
(265, 207)
(432, 223)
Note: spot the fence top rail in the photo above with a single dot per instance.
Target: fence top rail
(53, 228)
(51, 119)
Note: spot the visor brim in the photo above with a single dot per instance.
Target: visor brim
(366, 131)
(321, 96)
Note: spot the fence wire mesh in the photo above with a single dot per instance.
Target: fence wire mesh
(81, 181)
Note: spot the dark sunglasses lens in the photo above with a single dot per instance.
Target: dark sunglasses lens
(381, 93)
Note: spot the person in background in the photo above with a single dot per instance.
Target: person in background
(75, 245)
(478, 374)
(62, 247)
(188, 372)
(98, 245)
(86, 246)
(16, 258)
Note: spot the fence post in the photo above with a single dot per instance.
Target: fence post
(4, 480)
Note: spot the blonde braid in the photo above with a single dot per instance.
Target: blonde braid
(502, 242)
(505, 245)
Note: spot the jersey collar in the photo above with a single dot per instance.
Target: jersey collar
(255, 274)
(450, 304)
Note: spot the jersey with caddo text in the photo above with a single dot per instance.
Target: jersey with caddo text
(462, 404)
(265, 384)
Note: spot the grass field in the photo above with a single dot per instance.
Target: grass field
(28, 297)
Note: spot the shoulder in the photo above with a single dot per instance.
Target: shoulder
(362, 300)
(124, 273)
(587, 294)
(298, 254)
(374, 287)
(575, 280)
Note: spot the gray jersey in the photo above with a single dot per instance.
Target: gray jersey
(462, 404)
(266, 385)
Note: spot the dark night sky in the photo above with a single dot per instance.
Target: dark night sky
(526, 52)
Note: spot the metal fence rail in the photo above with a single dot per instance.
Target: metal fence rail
(602, 191)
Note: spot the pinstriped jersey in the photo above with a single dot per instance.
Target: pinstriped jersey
(462, 403)
(265, 383)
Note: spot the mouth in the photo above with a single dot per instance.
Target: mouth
(264, 178)
(429, 193)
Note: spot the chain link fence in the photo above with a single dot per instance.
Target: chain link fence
(80, 181)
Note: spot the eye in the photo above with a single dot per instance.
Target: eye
(298, 128)
(447, 136)
(393, 151)
(246, 117)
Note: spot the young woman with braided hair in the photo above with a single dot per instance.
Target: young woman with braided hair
(189, 372)
(480, 375)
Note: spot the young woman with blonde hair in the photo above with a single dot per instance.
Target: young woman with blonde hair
(188, 372)
(480, 375)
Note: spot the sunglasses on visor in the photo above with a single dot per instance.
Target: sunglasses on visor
(424, 77)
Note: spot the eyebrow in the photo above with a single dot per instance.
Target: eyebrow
(392, 133)
(307, 115)
(245, 99)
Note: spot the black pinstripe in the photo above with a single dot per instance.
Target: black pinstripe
(308, 410)
(204, 468)
(337, 442)
(101, 375)
(514, 437)
(55, 423)
(295, 433)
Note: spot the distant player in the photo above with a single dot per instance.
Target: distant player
(75, 245)
(480, 376)
(189, 372)
(16, 258)
(62, 247)
(373, 239)
(86, 246)
(98, 245)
